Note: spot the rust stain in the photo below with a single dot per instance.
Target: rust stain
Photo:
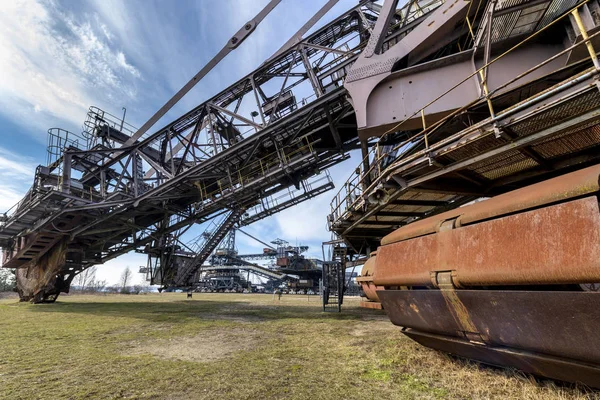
(366, 279)
(564, 187)
(458, 310)
(558, 244)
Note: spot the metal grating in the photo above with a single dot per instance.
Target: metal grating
(475, 148)
(503, 25)
(571, 141)
(505, 4)
(523, 20)
(582, 103)
(404, 208)
(557, 7)
(504, 164)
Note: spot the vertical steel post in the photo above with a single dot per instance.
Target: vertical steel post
(586, 38)
(66, 175)
(103, 183)
(260, 110)
(311, 74)
(123, 120)
(364, 148)
(134, 172)
(483, 73)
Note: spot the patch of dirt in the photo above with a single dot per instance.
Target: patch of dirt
(381, 316)
(244, 318)
(371, 328)
(8, 295)
(209, 346)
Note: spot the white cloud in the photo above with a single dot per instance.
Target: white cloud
(16, 174)
(109, 36)
(127, 67)
(305, 221)
(308, 221)
(57, 65)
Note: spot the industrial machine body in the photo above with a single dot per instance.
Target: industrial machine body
(505, 280)
(477, 194)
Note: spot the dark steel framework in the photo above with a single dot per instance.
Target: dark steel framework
(532, 115)
(213, 159)
(259, 146)
(223, 269)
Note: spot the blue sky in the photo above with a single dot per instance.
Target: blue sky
(57, 58)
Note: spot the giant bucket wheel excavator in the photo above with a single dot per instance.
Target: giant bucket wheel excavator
(474, 202)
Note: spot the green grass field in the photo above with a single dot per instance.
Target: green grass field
(230, 346)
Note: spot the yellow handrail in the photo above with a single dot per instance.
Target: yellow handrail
(375, 151)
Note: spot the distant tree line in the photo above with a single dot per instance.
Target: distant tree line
(86, 282)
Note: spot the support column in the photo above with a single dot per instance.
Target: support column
(41, 281)
(364, 147)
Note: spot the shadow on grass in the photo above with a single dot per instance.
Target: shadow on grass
(180, 311)
(574, 388)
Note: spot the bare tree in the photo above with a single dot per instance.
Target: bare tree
(85, 278)
(125, 278)
(97, 285)
(137, 289)
(7, 280)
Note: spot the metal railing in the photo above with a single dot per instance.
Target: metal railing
(257, 169)
(97, 117)
(286, 196)
(60, 139)
(382, 159)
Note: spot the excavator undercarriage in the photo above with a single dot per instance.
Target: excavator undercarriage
(507, 281)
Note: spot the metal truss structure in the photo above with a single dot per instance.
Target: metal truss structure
(259, 146)
(504, 107)
(224, 267)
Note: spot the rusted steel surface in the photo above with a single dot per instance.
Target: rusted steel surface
(38, 281)
(424, 310)
(558, 244)
(549, 324)
(537, 364)
(371, 304)
(456, 307)
(575, 184)
(561, 324)
(366, 279)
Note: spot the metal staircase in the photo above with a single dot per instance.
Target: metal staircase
(213, 238)
(334, 276)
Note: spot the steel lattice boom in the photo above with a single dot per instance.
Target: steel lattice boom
(259, 146)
